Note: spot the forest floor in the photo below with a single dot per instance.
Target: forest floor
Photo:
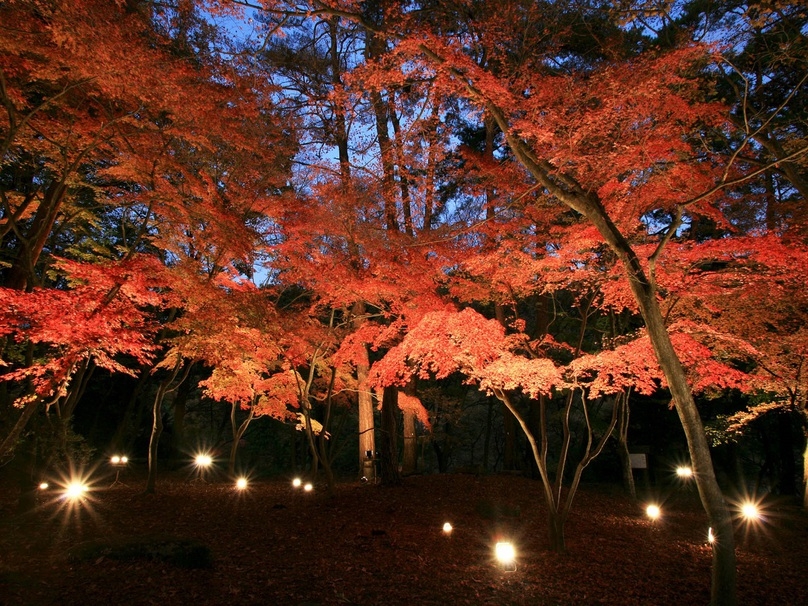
(207, 543)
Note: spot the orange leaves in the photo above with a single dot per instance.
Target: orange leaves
(511, 372)
(102, 317)
(446, 342)
(631, 366)
(465, 342)
(412, 404)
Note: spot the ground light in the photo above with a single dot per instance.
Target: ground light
(43, 485)
(118, 461)
(750, 511)
(203, 460)
(297, 482)
(653, 512)
(75, 490)
(241, 483)
(506, 555)
(684, 472)
(447, 528)
(308, 487)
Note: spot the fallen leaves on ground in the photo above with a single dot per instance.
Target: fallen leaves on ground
(273, 544)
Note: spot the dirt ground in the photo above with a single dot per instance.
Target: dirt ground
(204, 543)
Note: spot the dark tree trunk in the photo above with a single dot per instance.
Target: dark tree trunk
(157, 426)
(787, 482)
(409, 461)
(622, 445)
(21, 274)
(388, 440)
(509, 427)
(489, 417)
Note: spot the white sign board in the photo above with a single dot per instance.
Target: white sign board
(639, 460)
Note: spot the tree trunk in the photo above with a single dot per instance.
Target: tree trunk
(180, 407)
(622, 445)
(509, 427)
(21, 273)
(409, 461)
(787, 482)
(489, 417)
(556, 521)
(388, 465)
(367, 437)
(13, 436)
(238, 433)
(805, 476)
(157, 427)
(723, 590)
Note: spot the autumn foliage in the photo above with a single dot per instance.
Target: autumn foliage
(314, 209)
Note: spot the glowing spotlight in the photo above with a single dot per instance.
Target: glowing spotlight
(241, 483)
(750, 511)
(75, 490)
(43, 486)
(653, 512)
(684, 472)
(308, 487)
(297, 482)
(115, 460)
(710, 536)
(203, 460)
(506, 555)
(124, 460)
(447, 528)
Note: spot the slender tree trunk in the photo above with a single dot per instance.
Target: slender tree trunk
(13, 436)
(622, 445)
(489, 417)
(805, 476)
(238, 433)
(180, 408)
(723, 590)
(723, 587)
(157, 426)
(787, 482)
(409, 461)
(509, 452)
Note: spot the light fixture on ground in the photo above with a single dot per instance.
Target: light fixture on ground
(43, 486)
(506, 555)
(684, 472)
(118, 461)
(297, 482)
(308, 487)
(750, 511)
(75, 490)
(653, 512)
(241, 483)
(203, 460)
(447, 528)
